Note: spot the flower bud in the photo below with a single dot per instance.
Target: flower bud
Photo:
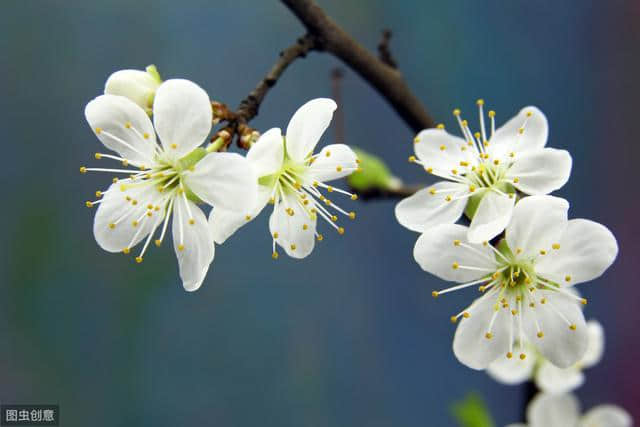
(373, 174)
(139, 86)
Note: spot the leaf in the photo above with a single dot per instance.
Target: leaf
(472, 412)
(374, 174)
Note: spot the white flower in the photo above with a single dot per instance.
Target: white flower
(481, 175)
(547, 376)
(525, 281)
(138, 86)
(548, 410)
(170, 176)
(290, 177)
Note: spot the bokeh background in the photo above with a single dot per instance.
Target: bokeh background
(349, 336)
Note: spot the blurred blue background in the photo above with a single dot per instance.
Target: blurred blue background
(349, 336)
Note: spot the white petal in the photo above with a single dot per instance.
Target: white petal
(307, 126)
(587, 249)
(296, 239)
(437, 254)
(492, 216)
(334, 161)
(182, 115)
(552, 379)
(549, 410)
(225, 180)
(121, 125)
(541, 171)
(595, 349)
(442, 151)
(224, 223)
(113, 225)
(138, 86)
(508, 138)
(470, 344)
(537, 223)
(267, 154)
(606, 416)
(192, 243)
(423, 210)
(560, 344)
(511, 371)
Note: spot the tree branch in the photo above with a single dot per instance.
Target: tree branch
(384, 51)
(387, 80)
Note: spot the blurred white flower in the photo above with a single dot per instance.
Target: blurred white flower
(525, 281)
(547, 376)
(290, 177)
(548, 410)
(138, 86)
(481, 175)
(170, 176)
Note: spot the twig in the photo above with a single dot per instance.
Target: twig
(387, 80)
(384, 51)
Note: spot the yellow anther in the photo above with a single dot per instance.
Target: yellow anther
(543, 252)
(583, 301)
(477, 135)
(465, 123)
(127, 198)
(293, 247)
(514, 312)
(127, 125)
(496, 162)
(512, 154)
(181, 247)
(412, 159)
(454, 319)
(529, 113)
(112, 225)
(456, 112)
(88, 204)
(125, 162)
(434, 294)
(556, 246)
(463, 163)
(352, 215)
(543, 301)
(521, 131)
(488, 335)
(454, 171)
(328, 153)
(354, 197)
(305, 202)
(480, 102)
(305, 226)
(540, 334)
(567, 278)
(448, 198)
(126, 251)
(485, 243)
(149, 206)
(114, 180)
(297, 186)
(272, 200)
(492, 113)
(527, 280)
(192, 221)
(429, 170)
(338, 168)
(98, 156)
(481, 288)
(573, 327)
(432, 191)
(456, 242)
(440, 126)
(83, 169)
(340, 230)
(442, 147)
(98, 130)
(320, 237)
(149, 213)
(466, 315)
(134, 223)
(158, 242)
(329, 189)
(138, 259)
(532, 304)
(145, 135)
(518, 251)
(274, 255)
(327, 202)
(455, 265)
(523, 356)
(463, 148)
(247, 217)
(174, 146)
(134, 202)
(416, 140)
(509, 355)
(290, 211)
(472, 188)
(516, 180)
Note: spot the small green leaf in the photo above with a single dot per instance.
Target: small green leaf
(472, 412)
(374, 174)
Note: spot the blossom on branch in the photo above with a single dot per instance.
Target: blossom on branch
(548, 410)
(526, 280)
(138, 86)
(170, 178)
(483, 172)
(291, 178)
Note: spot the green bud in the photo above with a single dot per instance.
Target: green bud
(472, 412)
(374, 174)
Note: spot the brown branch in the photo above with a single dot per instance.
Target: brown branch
(387, 80)
(384, 51)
